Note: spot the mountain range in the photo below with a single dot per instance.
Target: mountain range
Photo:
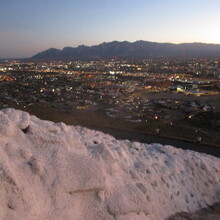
(125, 49)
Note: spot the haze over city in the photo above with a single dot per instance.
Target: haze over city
(28, 27)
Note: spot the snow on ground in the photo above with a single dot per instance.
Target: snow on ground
(53, 171)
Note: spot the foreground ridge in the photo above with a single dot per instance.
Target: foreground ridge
(54, 171)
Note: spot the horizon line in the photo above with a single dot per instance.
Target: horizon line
(165, 42)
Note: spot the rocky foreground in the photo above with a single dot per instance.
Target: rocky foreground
(54, 171)
(210, 213)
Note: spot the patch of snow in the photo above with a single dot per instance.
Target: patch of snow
(54, 171)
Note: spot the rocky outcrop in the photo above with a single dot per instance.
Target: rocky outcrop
(54, 171)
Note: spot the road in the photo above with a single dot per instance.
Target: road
(146, 138)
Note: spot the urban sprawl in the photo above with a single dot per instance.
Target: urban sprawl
(156, 92)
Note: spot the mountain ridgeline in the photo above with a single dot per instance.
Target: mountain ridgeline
(138, 49)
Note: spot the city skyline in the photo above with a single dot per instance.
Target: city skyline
(30, 27)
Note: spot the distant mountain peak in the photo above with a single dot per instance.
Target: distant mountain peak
(137, 49)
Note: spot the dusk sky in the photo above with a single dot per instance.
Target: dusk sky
(30, 26)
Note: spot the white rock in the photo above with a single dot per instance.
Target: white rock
(19, 118)
(56, 171)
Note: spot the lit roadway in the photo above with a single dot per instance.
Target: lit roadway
(146, 138)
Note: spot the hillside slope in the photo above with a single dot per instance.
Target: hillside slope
(54, 171)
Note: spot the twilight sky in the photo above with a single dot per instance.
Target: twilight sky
(30, 26)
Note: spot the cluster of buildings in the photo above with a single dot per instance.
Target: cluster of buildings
(121, 88)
